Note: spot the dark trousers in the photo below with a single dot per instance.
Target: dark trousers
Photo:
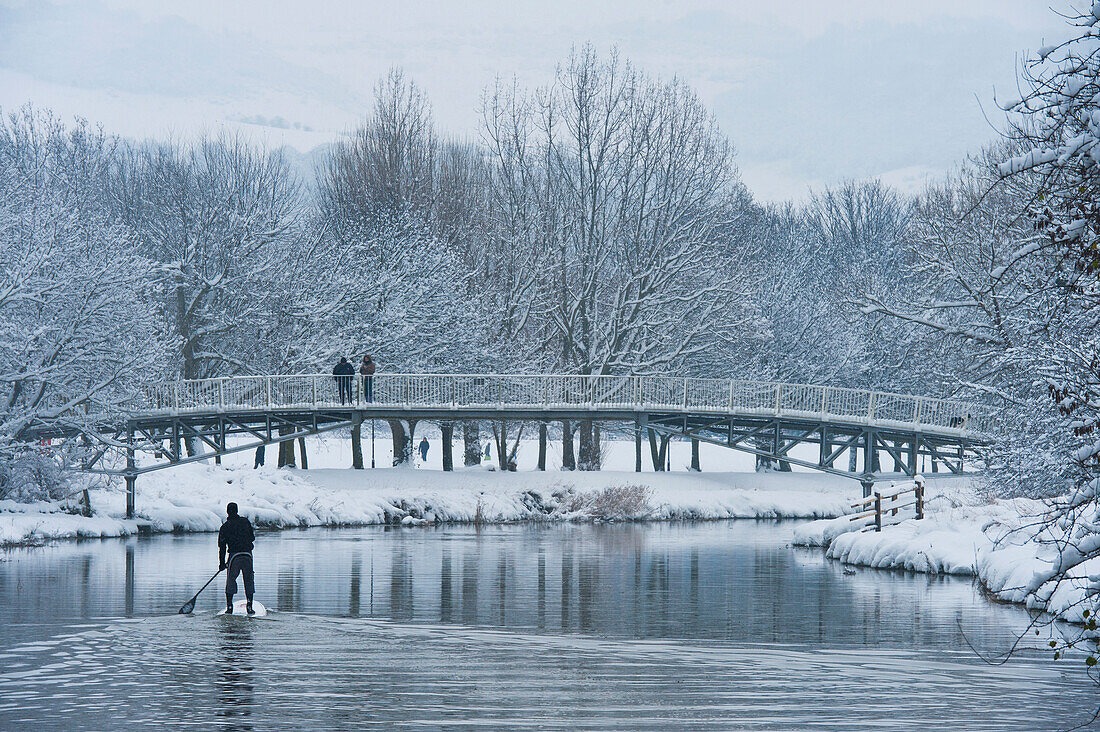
(240, 564)
(368, 388)
(343, 383)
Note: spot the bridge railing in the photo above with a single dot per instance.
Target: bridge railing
(718, 396)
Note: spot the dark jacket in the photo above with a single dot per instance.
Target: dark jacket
(343, 369)
(367, 368)
(236, 535)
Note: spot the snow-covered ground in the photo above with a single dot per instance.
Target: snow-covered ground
(193, 497)
(963, 533)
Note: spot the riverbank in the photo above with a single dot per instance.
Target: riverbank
(963, 533)
(193, 497)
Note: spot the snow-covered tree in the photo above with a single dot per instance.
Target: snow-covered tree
(76, 335)
(214, 217)
(615, 189)
(1056, 128)
(391, 272)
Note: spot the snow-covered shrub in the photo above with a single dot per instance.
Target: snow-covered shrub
(30, 476)
(614, 503)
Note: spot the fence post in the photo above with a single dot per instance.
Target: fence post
(916, 414)
(267, 391)
(685, 393)
(221, 393)
(313, 389)
(878, 511)
(920, 500)
(778, 397)
(824, 398)
(871, 407)
(731, 396)
(454, 396)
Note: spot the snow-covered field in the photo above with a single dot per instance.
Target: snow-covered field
(963, 533)
(193, 497)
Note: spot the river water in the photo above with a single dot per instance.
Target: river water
(718, 625)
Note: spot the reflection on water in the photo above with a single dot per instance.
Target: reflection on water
(629, 626)
(735, 581)
(234, 674)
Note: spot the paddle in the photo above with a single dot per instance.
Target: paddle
(190, 604)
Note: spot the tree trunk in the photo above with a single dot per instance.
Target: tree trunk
(471, 443)
(587, 456)
(501, 435)
(448, 430)
(286, 449)
(659, 454)
(542, 446)
(302, 449)
(568, 460)
(401, 451)
(356, 441)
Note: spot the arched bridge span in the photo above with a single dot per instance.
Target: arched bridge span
(855, 432)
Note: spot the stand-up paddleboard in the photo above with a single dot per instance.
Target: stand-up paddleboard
(240, 608)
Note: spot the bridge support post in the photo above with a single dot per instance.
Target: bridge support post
(695, 456)
(357, 440)
(131, 475)
(221, 442)
(448, 430)
(641, 423)
(542, 446)
(868, 486)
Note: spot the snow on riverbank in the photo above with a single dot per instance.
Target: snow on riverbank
(962, 533)
(193, 498)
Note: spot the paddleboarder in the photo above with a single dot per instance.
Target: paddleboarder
(236, 537)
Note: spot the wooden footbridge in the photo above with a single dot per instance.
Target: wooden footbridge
(852, 431)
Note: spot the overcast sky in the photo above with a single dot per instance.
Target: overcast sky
(811, 93)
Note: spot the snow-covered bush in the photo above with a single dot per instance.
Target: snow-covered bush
(29, 476)
(613, 503)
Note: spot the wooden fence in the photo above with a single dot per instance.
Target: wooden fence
(886, 509)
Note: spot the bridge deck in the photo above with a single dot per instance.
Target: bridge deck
(535, 397)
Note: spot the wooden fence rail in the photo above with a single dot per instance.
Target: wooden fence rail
(882, 509)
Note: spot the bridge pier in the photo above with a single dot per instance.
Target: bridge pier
(131, 476)
(695, 456)
(641, 424)
(448, 430)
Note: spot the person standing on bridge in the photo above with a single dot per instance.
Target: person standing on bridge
(236, 537)
(343, 372)
(366, 370)
(423, 447)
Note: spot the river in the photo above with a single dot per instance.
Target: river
(719, 625)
